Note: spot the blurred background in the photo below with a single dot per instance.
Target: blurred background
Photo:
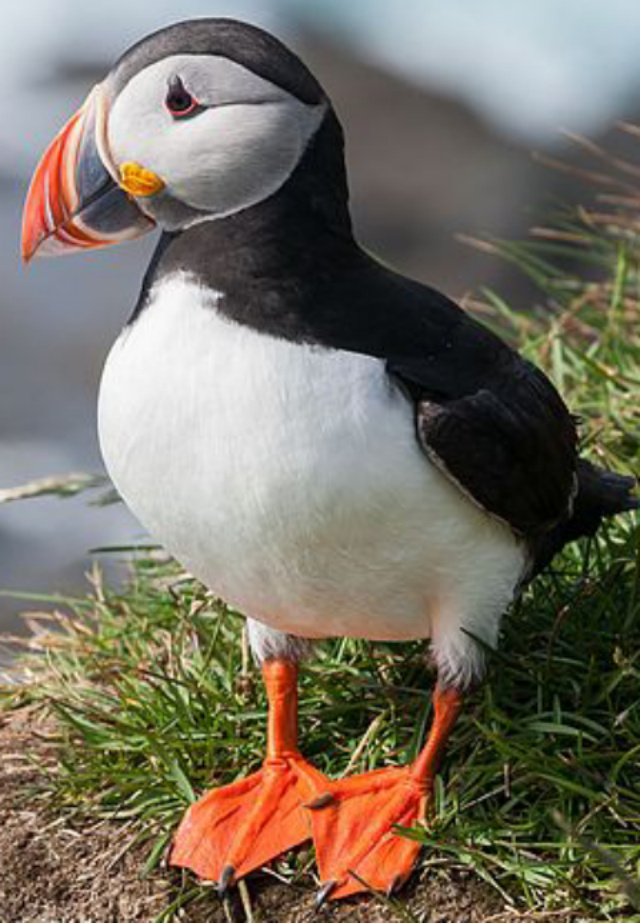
(443, 103)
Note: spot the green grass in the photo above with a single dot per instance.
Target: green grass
(156, 697)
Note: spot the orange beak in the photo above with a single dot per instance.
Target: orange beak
(74, 200)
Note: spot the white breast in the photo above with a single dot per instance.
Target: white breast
(289, 479)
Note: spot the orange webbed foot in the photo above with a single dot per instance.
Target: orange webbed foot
(235, 829)
(357, 848)
(232, 830)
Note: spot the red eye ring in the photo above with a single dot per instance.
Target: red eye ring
(179, 100)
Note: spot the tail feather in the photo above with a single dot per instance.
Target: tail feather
(600, 494)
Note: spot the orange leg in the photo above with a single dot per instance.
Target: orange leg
(353, 827)
(232, 830)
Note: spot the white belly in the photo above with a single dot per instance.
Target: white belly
(289, 480)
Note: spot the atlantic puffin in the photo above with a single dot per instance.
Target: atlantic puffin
(330, 447)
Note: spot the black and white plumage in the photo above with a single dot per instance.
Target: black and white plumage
(332, 448)
(340, 450)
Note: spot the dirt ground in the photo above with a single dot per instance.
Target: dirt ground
(54, 871)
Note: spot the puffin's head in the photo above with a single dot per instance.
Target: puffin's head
(197, 121)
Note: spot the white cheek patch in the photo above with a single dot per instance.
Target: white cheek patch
(235, 153)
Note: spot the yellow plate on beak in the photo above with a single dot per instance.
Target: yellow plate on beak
(138, 181)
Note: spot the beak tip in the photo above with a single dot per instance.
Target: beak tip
(26, 252)
(29, 242)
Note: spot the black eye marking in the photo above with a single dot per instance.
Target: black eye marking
(179, 100)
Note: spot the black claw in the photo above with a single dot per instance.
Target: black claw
(395, 884)
(227, 880)
(322, 801)
(325, 893)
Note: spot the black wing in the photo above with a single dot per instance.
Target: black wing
(489, 419)
(505, 437)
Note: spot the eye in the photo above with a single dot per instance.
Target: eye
(179, 100)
